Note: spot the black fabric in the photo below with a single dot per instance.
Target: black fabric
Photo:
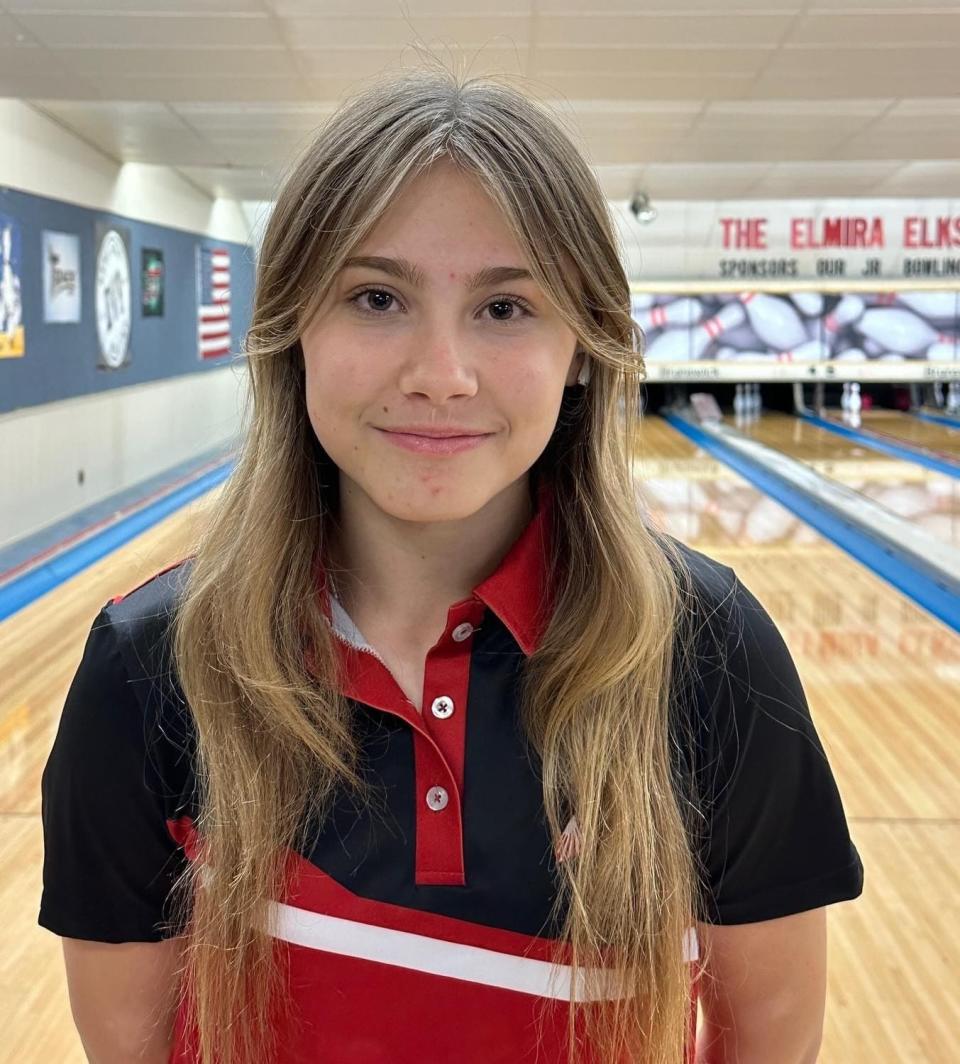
(770, 833)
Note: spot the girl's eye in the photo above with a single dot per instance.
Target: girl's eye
(382, 300)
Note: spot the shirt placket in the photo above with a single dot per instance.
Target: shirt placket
(439, 735)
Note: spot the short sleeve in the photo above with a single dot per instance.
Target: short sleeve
(109, 862)
(776, 840)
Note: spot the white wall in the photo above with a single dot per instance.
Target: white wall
(121, 437)
(42, 157)
(116, 438)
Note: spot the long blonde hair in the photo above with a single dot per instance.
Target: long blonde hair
(274, 736)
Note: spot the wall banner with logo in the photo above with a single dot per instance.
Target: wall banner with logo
(61, 277)
(151, 264)
(112, 296)
(12, 338)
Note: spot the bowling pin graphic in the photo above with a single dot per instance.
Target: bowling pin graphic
(774, 320)
(684, 345)
(898, 330)
(846, 311)
(679, 312)
(929, 304)
(942, 350)
(808, 303)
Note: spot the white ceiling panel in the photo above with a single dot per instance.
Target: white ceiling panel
(146, 7)
(922, 179)
(901, 31)
(414, 10)
(731, 30)
(176, 62)
(249, 120)
(112, 30)
(691, 98)
(661, 62)
(629, 8)
(358, 34)
(851, 63)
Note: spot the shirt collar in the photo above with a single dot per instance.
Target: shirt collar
(518, 591)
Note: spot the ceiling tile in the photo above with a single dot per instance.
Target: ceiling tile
(695, 62)
(653, 31)
(146, 7)
(358, 34)
(175, 62)
(415, 10)
(901, 30)
(111, 30)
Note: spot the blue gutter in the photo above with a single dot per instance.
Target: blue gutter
(897, 450)
(29, 587)
(938, 419)
(925, 585)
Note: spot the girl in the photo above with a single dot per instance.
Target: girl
(434, 750)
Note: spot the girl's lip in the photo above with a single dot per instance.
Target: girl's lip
(434, 444)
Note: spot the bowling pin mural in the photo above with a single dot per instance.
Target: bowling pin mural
(679, 312)
(774, 320)
(685, 345)
(898, 330)
(808, 303)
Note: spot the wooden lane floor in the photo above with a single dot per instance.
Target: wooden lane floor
(40, 648)
(909, 429)
(883, 681)
(929, 500)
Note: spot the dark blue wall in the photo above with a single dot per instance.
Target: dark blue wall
(61, 360)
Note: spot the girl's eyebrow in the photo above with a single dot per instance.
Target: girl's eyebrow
(414, 276)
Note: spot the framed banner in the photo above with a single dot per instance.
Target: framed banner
(113, 295)
(12, 338)
(151, 263)
(61, 277)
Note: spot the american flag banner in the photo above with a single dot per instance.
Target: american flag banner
(213, 302)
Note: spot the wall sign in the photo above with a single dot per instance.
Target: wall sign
(113, 300)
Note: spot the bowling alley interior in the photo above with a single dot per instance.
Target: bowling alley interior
(782, 184)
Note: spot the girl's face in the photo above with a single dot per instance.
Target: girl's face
(421, 339)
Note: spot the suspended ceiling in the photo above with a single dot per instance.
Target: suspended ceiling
(687, 100)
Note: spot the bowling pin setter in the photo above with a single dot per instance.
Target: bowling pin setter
(679, 312)
(684, 345)
(774, 320)
(898, 330)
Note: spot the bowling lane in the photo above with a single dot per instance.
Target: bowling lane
(905, 428)
(928, 500)
(869, 657)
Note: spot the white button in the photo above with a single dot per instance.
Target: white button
(462, 631)
(442, 707)
(437, 799)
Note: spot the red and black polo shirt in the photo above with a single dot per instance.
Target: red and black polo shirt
(418, 928)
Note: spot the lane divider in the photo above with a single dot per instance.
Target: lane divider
(898, 567)
(903, 451)
(937, 419)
